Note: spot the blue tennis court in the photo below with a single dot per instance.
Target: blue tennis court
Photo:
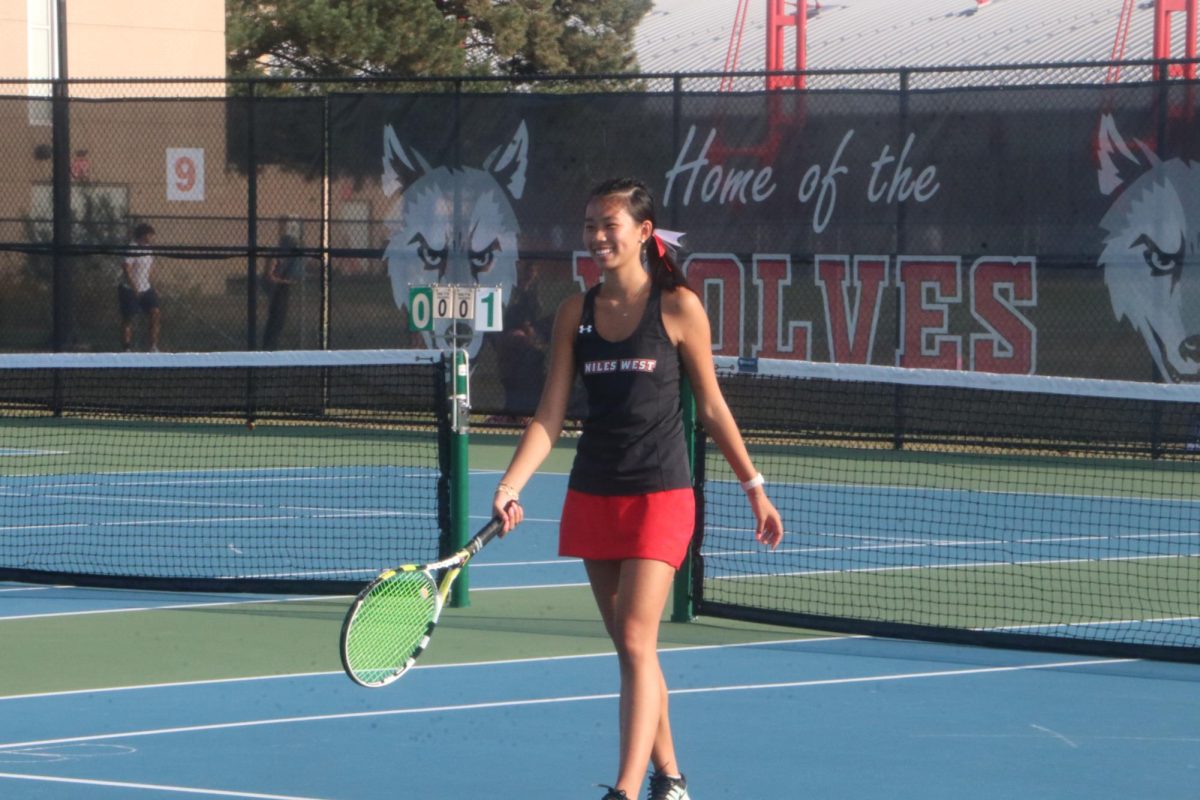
(274, 522)
(775, 719)
(240, 696)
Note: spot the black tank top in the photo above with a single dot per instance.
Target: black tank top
(633, 440)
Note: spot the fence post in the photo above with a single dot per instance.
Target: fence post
(682, 606)
(326, 222)
(60, 280)
(460, 496)
(252, 223)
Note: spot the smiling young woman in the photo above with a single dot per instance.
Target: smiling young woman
(629, 509)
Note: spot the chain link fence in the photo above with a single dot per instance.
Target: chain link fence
(296, 216)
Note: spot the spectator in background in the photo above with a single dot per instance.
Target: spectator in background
(522, 346)
(81, 167)
(135, 295)
(286, 269)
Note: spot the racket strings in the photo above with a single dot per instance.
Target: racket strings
(391, 626)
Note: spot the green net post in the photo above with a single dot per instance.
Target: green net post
(460, 533)
(682, 608)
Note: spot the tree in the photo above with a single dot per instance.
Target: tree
(529, 37)
(341, 38)
(408, 38)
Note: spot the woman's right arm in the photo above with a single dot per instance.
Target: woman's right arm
(542, 431)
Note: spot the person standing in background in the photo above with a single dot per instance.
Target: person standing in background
(135, 295)
(286, 269)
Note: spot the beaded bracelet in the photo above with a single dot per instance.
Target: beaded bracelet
(510, 491)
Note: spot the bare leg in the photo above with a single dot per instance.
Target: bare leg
(154, 325)
(631, 596)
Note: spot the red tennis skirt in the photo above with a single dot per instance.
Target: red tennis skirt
(656, 526)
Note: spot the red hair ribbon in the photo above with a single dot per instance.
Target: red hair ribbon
(662, 248)
(668, 237)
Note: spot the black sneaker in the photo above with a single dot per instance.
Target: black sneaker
(614, 794)
(665, 787)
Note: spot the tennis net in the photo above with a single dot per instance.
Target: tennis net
(286, 471)
(1017, 511)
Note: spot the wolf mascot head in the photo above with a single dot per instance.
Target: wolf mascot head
(452, 226)
(1152, 234)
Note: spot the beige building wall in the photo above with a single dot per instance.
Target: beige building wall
(122, 139)
(118, 38)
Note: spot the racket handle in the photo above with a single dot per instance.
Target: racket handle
(485, 535)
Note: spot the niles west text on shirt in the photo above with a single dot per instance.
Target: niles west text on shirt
(620, 365)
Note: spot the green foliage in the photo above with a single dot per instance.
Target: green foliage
(88, 278)
(97, 222)
(430, 38)
(530, 37)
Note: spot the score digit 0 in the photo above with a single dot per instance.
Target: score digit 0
(420, 308)
(464, 304)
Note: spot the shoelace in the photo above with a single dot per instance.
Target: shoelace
(613, 793)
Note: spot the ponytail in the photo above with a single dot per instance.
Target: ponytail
(662, 264)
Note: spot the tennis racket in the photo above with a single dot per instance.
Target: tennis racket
(391, 621)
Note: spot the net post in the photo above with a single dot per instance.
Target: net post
(682, 607)
(460, 406)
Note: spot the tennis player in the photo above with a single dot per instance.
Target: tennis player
(629, 509)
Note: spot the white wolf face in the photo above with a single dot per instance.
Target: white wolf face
(452, 226)
(1152, 235)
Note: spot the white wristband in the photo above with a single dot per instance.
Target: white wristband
(755, 482)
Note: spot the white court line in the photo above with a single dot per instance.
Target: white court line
(173, 607)
(950, 565)
(545, 701)
(1094, 623)
(531, 586)
(482, 518)
(31, 589)
(1056, 735)
(260, 601)
(154, 787)
(215, 472)
(265, 600)
(435, 667)
(548, 561)
(501, 472)
(379, 514)
(891, 488)
(894, 542)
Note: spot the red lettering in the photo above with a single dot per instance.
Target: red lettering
(927, 287)
(788, 338)
(851, 337)
(998, 288)
(718, 280)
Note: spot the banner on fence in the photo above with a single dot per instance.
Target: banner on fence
(1034, 229)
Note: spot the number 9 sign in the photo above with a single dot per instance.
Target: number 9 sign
(185, 174)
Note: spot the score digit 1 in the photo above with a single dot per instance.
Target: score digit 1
(489, 311)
